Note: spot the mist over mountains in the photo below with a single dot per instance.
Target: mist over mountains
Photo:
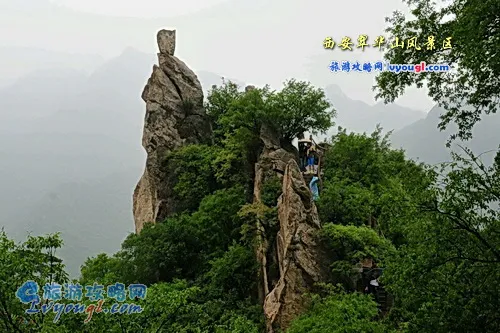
(422, 141)
(357, 116)
(26, 61)
(71, 154)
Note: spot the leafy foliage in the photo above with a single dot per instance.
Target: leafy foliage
(443, 224)
(297, 108)
(340, 312)
(35, 260)
(181, 246)
(192, 171)
(238, 117)
(366, 182)
(435, 232)
(475, 78)
(445, 275)
(348, 245)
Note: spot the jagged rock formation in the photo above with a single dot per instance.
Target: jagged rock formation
(292, 248)
(299, 256)
(272, 162)
(289, 257)
(174, 117)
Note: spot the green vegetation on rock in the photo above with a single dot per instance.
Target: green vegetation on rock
(433, 232)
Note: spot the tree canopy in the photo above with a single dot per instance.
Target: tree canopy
(472, 87)
(297, 108)
(433, 232)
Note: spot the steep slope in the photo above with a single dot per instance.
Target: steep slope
(85, 135)
(86, 129)
(85, 149)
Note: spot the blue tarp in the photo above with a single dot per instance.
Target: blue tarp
(313, 185)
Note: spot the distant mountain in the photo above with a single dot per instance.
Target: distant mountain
(357, 116)
(208, 79)
(92, 217)
(24, 61)
(92, 126)
(109, 103)
(77, 138)
(37, 95)
(422, 140)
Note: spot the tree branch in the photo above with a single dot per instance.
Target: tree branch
(121, 326)
(463, 224)
(9, 317)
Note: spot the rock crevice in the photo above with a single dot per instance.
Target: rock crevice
(299, 255)
(271, 163)
(292, 248)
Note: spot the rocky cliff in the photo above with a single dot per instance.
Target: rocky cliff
(272, 163)
(286, 250)
(174, 117)
(299, 256)
(292, 248)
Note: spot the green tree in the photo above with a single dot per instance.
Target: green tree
(348, 245)
(233, 274)
(192, 171)
(36, 260)
(445, 278)
(218, 222)
(339, 312)
(163, 310)
(475, 78)
(162, 252)
(103, 269)
(181, 246)
(367, 182)
(238, 118)
(297, 108)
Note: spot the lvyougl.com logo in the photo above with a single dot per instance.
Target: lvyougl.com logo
(66, 300)
(379, 66)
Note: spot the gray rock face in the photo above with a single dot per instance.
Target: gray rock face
(299, 256)
(272, 162)
(174, 117)
(166, 41)
(294, 249)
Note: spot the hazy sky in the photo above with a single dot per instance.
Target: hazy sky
(258, 41)
(133, 8)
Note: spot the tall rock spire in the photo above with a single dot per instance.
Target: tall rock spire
(299, 254)
(174, 117)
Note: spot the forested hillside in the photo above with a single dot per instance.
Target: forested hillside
(236, 242)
